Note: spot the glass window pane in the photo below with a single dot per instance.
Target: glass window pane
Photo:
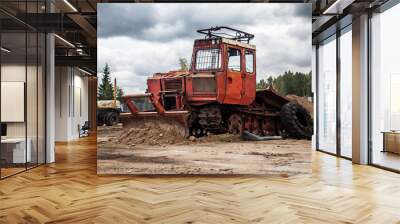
(31, 97)
(327, 96)
(385, 84)
(346, 94)
(249, 56)
(234, 59)
(22, 88)
(208, 59)
(13, 86)
(41, 98)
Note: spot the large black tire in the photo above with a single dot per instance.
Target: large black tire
(100, 117)
(111, 118)
(296, 121)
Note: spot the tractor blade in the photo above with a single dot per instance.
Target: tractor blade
(176, 121)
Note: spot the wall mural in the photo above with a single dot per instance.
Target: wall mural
(204, 89)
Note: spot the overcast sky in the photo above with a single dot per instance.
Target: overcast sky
(137, 40)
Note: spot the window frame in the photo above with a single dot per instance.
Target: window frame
(245, 61)
(228, 57)
(219, 64)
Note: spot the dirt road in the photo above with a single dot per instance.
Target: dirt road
(214, 155)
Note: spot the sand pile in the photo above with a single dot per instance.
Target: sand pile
(304, 102)
(145, 132)
(150, 133)
(161, 134)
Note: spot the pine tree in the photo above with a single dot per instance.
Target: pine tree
(105, 90)
(120, 94)
(261, 84)
(270, 81)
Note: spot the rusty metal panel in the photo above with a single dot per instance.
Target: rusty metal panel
(204, 85)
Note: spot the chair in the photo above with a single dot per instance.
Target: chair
(84, 130)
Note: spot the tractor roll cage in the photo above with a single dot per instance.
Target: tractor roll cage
(223, 32)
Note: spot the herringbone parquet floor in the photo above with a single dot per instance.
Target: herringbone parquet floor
(69, 191)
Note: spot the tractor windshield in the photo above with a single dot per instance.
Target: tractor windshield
(208, 59)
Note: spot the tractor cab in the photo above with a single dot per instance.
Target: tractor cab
(223, 67)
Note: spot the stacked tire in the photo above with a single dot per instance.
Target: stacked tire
(107, 117)
(296, 121)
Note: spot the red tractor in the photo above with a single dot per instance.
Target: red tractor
(218, 94)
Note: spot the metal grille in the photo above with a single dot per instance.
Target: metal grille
(208, 59)
(173, 84)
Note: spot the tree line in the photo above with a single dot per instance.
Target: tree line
(296, 83)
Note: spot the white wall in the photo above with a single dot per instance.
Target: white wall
(71, 102)
(62, 82)
(80, 104)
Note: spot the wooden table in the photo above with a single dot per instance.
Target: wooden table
(391, 141)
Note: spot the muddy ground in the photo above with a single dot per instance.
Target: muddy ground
(161, 152)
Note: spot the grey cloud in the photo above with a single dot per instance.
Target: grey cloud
(303, 10)
(162, 22)
(122, 19)
(300, 32)
(138, 40)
